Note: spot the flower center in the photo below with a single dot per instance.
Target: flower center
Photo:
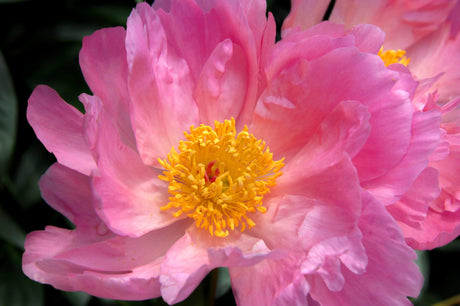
(219, 177)
(392, 57)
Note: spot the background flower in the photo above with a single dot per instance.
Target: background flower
(428, 31)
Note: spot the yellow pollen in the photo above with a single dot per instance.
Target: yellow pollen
(219, 177)
(392, 57)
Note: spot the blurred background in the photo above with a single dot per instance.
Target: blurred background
(39, 44)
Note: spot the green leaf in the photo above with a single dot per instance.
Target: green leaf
(223, 282)
(32, 165)
(8, 115)
(10, 231)
(15, 288)
(423, 263)
(77, 298)
(11, 1)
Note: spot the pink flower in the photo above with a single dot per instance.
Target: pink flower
(207, 145)
(427, 32)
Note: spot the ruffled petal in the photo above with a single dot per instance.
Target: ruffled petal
(404, 22)
(221, 87)
(128, 193)
(437, 229)
(425, 135)
(391, 273)
(105, 68)
(187, 262)
(256, 285)
(305, 200)
(160, 86)
(302, 91)
(59, 126)
(70, 193)
(304, 14)
(99, 262)
(437, 54)
(412, 208)
(243, 24)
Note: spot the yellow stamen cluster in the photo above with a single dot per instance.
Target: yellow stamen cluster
(392, 57)
(217, 177)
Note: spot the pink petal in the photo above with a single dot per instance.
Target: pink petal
(438, 229)
(128, 193)
(69, 192)
(305, 209)
(454, 18)
(449, 176)
(404, 22)
(412, 208)
(301, 89)
(391, 274)
(305, 202)
(438, 54)
(390, 187)
(58, 125)
(441, 224)
(304, 14)
(187, 262)
(221, 87)
(324, 259)
(160, 85)
(242, 23)
(369, 38)
(103, 63)
(98, 263)
(270, 282)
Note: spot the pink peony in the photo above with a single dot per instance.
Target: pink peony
(206, 145)
(426, 33)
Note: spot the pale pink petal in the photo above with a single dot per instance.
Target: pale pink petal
(105, 68)
(412, 208)
(303, 91)
(58, 125)
(437, 54)
(69, 192)
(98, 263)
(160, 86)
(324, 259)
(454, 18)
(270, 282)
(184, 25)
(244, 25)
(304, 202)
(391, 186)
(368, 38)
(315, 218)
(187, 262)
(221, 86)
(449, 174)
(404, 22)
(263, 28)
(304, 14)
(441, 225)
(391, 117)
(438, 229)
(391, 274)
(224, 64)
(305, 212)
(128, 193)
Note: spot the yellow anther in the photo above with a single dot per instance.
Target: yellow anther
(218, 177)
(392, 57)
